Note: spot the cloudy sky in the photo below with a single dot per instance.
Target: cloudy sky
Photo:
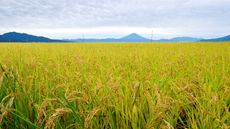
(115, 18)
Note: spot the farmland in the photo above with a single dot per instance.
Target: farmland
(115, 85)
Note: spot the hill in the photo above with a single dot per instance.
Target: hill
(134, 38)
(23, 37)
(137, 38)
(221, 39)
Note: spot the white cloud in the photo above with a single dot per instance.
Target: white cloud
(62, 18)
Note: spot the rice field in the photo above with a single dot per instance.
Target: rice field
(115, 85)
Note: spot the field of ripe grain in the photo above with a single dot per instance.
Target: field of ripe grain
(118, 86)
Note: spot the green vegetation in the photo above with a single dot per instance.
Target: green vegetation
(118, 86)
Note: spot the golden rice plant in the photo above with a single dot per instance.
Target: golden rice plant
(115, 85)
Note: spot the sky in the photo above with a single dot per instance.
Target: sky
(65, 19)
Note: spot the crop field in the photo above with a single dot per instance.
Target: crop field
(115, 85)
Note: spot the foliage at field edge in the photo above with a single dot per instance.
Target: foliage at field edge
(115, 86)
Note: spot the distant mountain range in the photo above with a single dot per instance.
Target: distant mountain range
(129, 38)
(137, 38)
(222, 39)
(23, 37)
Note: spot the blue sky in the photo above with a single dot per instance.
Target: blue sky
(116, 18)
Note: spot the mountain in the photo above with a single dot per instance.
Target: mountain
(179, 39)
(221, 39)
(137, 38)
(129, 38)
(23, 37)
(185, 39)
(134, 38)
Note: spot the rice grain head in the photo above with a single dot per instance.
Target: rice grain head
(50, 124)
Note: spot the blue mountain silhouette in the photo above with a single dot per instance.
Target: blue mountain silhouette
(137, 38)
(134, 38)
(129, 38)
(221, 39)
(23, 37)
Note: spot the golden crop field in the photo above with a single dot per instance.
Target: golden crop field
(115, 85)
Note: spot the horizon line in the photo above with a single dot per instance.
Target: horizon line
(142, 35)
